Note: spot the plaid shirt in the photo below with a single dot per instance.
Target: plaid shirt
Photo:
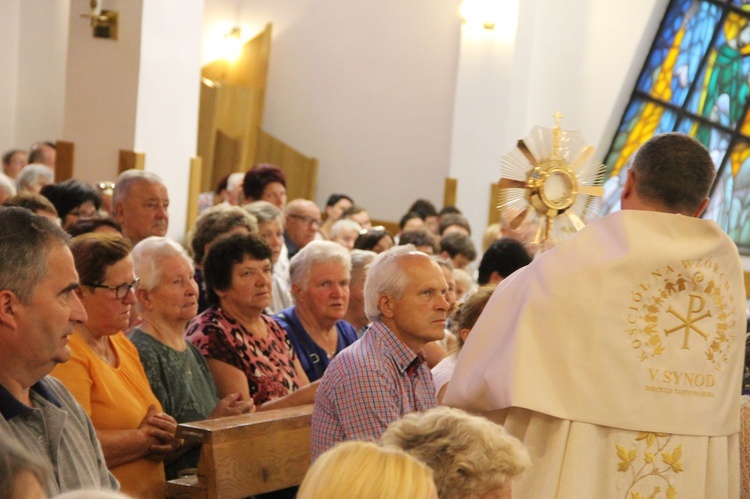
(368, 385)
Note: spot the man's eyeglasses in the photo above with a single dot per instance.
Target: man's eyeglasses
(121, 291)
(307, 220)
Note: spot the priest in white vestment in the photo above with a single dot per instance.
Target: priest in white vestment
(617, 356)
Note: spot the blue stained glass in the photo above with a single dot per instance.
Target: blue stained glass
(715, 140)
(695, 81)
(678, 51)
(730, 201)
(642, 120)
(723, 87)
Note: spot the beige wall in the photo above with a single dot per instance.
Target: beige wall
(101, 90)
(33, 38)
(139, 93)
(581, 57)
(366, 87)
(388, 95)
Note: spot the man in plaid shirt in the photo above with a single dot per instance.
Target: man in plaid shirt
(383, 376)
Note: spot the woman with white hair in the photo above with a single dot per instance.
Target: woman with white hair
(271, 230)
(178, 374)
(355, 313)
(345, 232)
(33, 177)
(472, 457)
(320, 286)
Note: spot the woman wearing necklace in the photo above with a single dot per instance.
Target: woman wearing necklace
(320, 286)
(105, 374)
(246, 351)
(177, 372)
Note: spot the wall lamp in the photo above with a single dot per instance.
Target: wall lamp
(233, 44)
(482, 13)
(103, 22)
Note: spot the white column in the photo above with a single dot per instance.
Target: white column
(139, 92)
(484, 102)
(168, 97)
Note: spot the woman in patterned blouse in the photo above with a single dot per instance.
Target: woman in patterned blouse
(247, 352)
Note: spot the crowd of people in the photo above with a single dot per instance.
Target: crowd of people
(112, 334)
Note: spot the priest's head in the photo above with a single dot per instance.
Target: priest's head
(672, 173)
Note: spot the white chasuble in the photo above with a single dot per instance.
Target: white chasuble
(617, 359)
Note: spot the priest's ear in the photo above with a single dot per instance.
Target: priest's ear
(701, 208)
(628, 191)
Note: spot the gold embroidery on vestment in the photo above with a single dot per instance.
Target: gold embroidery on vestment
(649, 475)
(694, 301)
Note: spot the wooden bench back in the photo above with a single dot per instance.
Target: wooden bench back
(247, 455)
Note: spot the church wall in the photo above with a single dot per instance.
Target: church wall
(372, 91)
(581, 57)
(33, 57)
(9, 40)
(168, 92)
(366, 87)
(102, 90)
(344, 103)
(138, 93)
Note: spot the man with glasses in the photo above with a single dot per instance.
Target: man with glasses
(38, 309)
(302, 224)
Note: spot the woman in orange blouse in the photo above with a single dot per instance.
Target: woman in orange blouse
(105, 373)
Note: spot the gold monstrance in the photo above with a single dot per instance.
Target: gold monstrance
(553, 172)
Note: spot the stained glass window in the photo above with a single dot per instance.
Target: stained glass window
(696, 80)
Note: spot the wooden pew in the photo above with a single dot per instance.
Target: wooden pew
(246, 455)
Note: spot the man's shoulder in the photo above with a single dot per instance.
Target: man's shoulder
(347, 331)
(60, 395)
(52, 386)
(358, 354)
(54, 391)
(359, 359)
(284, 318)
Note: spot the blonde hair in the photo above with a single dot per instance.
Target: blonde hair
(367, 471)
(490, 234)
(470, 455)
(467, 312)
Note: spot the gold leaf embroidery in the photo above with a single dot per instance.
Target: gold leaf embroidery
(650, 437)
(643, 477)
(673, 459)
(651, 301)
